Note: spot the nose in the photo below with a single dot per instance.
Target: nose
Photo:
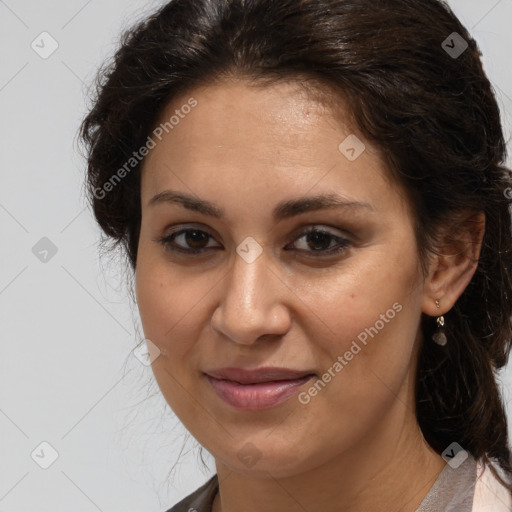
(253, 302)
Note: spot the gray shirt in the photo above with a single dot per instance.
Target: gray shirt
(452, 491)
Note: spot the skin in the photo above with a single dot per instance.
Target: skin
(356, 445)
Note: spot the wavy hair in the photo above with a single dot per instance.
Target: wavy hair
(432, 114)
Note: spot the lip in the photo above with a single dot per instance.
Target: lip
(258, 389)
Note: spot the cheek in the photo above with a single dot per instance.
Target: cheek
(169, 305)
(368, 315)
(369, 319)
(168, 302)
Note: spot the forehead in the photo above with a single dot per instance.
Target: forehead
(234, 114)
(269, 140)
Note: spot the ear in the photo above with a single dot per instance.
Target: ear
(453, 264)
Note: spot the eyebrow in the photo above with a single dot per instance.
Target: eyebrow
(283, 210)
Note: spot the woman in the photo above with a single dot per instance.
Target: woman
(312, 197)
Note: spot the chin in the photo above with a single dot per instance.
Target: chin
(264, 457)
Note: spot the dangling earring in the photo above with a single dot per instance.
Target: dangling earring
(439, 336)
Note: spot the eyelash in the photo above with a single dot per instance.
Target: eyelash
(167, 241)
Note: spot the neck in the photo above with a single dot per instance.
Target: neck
(391, 469)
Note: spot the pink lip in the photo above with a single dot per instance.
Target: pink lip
(256, 389)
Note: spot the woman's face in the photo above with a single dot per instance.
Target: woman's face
(279, 280)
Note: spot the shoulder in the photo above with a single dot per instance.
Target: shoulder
(200, 500)
(490, 494)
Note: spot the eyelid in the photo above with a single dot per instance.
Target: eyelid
(344, 240)
(183, 229)
(305, 229)
(193, 226)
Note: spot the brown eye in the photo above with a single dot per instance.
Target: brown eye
(318, 240)
(191, 241)
(321, 241)
(315, 241)
(196, 239)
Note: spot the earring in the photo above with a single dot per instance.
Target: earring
(439, 336)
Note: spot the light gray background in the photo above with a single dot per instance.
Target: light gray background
(67, 374)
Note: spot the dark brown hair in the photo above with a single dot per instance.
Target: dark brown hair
(432, 114)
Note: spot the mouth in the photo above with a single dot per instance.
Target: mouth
(258, 389)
